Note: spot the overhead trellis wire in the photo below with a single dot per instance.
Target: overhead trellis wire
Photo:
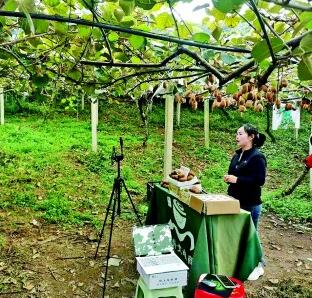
(116, 28)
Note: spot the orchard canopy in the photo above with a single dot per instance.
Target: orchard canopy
(52, 50)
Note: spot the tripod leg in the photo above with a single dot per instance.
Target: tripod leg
(133, 207)
(106, 216)
(110, 239)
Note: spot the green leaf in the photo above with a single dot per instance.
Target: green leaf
(145, 86)
(120, 56)
(137, 41)
(298, 51)
(305, 22)
(41, 26)
(275, 9)
(227, 5)
(201, 37)
(232, 88)
(216, 33)
(128, 21)
(249, 15)
(217, 14)
(60, 27)
(40, 81)
(119, 14)
(113, 36)
(26, 5)
(264, 64)
(305, 68)
(164, 20)
(84, 31)
(88, 3)
(75, 74)
(227, 58)
(127, 6)
(306, 43)
(135, 59)
(145, 4)
(261, 50)
(209, 54)
(10, 5)
(232, 21)
(279, 27)
(52, 3)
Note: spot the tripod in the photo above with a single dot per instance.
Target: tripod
(114, 206)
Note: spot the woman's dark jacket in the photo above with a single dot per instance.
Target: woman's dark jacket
(250, 170)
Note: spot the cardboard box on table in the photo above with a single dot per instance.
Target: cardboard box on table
(214, 204)
(157, 263)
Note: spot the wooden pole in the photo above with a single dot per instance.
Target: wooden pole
(82, 100)
(178, 113)
(206, 121)
(94, 122)
(1, 106)
(168, 134)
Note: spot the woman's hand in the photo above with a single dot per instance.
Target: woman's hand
(230, 179)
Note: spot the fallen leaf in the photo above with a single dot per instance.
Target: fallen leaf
(132, 281)
(274, 281)
(299, 263)
(35, 256)
(276, 247)
(35, 223)
(116, 285)
(114, 262)
(28, 286)
(269, 288)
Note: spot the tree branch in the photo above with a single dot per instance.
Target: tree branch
(103, 32)
(162, 79)
(134, 65)
(255, 9)
(141, 73)
(202, 62)
(9, 43)
(116, 28)
(17, 58)
(290, 5)
(174, 19)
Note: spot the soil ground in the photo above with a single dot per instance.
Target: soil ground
(41, 260)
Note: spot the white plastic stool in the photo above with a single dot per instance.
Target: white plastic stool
(166, 292)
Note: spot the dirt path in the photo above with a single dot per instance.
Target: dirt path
(46, 261)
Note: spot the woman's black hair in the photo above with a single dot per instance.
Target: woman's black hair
(259, 138)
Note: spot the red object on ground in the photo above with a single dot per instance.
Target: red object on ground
(238, 291)
(308, 161)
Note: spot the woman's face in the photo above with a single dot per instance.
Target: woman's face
(243, 140)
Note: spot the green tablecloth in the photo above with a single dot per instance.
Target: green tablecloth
(221, 244)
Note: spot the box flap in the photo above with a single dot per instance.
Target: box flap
(160, 264)
(152, 240)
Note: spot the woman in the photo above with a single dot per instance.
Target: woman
(247, 171)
